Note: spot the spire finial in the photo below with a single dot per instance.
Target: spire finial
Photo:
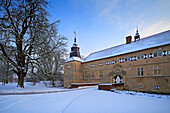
(75, 37)
(136, 28)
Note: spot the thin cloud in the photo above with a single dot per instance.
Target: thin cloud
(159, 26)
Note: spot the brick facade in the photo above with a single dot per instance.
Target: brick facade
(143, 74)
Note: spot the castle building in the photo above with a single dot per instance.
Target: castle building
(139, 65)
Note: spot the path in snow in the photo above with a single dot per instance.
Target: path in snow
(83, 101)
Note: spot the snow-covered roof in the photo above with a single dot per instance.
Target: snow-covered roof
(144, 43)
(74, 59)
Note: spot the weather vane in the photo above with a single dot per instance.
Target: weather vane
(75, 37)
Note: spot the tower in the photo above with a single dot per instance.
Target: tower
(75, 49)
(137, 36)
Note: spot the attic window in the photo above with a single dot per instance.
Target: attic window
(145, 56)
(127, 58)
(92, 65)
(140, 56)
(101, 63)
(85, 66)
(134, 58)
(155, 53)
(164, 53)
(107, 62)
(113, 61)
(151, 55)
(159, 52)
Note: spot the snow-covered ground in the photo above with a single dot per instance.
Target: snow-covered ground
(89, 100)
(29, 88)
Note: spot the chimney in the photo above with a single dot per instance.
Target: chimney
(128, 39)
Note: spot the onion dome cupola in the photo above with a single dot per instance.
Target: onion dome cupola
(137, 36)
(75, 49)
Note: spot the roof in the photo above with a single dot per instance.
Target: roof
(144, 43)
(74, 59)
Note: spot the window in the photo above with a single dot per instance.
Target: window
(107, 62)
(85, 66)
(164, 53)
(151, 55)
(140, 56)
(140, 72)
(157, 87)
(92, 75)
(134, 58)
(68, 67)
(131, 58)
(125, 58)
(141, 86)
(145, 56)
(113, 61)
(159, 52)
(155, 53)
(100, 74)
(157, 70)
(121, 60)
(100, 63)
(85, 75)
(92, 65)
(169, 52)
(128, 58)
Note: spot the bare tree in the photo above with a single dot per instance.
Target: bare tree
(29, 31)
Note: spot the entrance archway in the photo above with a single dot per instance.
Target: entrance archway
(117, 79)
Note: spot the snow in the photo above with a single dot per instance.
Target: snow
(144, 43)
(74, 59)
(12, 88)
(89, 100)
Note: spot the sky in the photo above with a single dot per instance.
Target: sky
(100, 24)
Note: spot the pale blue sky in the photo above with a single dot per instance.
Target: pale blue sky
(101, 24)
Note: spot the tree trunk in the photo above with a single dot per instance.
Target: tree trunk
(21, 76)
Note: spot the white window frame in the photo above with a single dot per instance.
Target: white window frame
(140, 72)
(157, 69)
